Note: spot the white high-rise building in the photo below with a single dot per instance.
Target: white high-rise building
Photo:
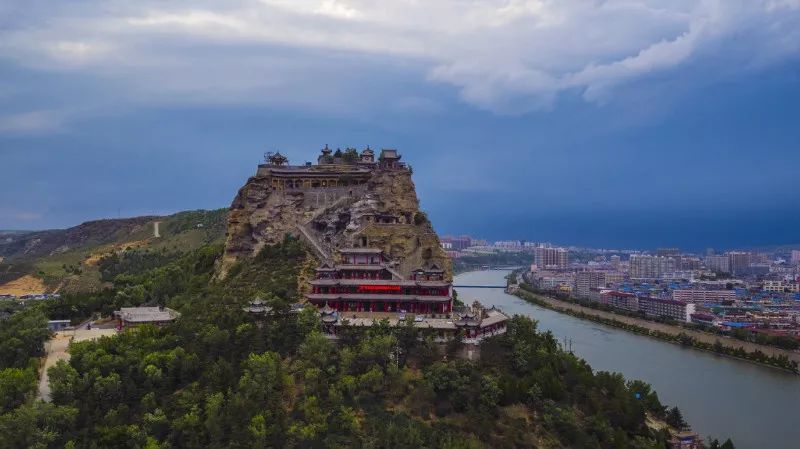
(718, 264)
(587, 280)
(551, 257)
(651, 267)
(739, 262)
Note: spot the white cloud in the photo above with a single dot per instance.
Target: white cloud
(507, 56)
(32, 122)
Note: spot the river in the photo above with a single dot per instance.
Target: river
(756, 406)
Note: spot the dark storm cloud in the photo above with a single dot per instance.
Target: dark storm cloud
(512, 113)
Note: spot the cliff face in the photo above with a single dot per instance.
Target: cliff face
(379, 212)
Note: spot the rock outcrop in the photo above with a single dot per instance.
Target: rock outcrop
(331, 205)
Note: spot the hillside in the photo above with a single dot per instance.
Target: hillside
(224, 375)
(222, 378)
(67, 259)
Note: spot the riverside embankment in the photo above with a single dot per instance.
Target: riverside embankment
(721, 396)
(701, 340)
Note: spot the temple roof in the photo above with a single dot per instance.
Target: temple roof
(435, 267)
(361, 251)
(432, 268)
(276, 158)
(326, 266)
(389, 153)
(327, 310)
(373, 297)
(365, 267)
(408, 283)
(493, 316)
(146, 314)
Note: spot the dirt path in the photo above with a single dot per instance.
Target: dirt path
(56, 349)
(674, 330)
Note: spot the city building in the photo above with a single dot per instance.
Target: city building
(668, 252)
(718, 264)
(781, 286)
(620, 300)
(545, 280)
(614, 261)
(457, 243)
(586, 280)
(651, 267)
(614, 277)
(698, 295)
(509, 244)
(57, 325)
(549, 258)
(796, 256)
(739, 262)
(690, 263)
(656, 308)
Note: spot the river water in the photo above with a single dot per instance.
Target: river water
(757, 407)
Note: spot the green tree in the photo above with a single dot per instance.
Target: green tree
(36, 424)
(16, 386)
(674, 418)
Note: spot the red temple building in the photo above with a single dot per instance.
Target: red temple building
(365, 281)
(364, 288)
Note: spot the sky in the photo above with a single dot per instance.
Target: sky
(613, 124)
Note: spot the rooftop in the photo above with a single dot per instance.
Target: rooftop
(146, 314)
(405, 283)
(360, 251)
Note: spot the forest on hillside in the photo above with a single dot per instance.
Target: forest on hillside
(218, 378)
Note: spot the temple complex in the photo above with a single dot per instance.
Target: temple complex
(380, 259)
(347, 199)
(339, 169)
(361, 288)
(363, 281)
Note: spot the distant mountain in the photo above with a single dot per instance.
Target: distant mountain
(66, 259)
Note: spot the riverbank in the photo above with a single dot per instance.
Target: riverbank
(703, 384)
(753, 352)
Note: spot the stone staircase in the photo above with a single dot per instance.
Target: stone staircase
(312, 240)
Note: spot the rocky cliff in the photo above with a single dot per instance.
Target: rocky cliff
(381, 211)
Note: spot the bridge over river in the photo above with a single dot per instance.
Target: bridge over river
(479, 286)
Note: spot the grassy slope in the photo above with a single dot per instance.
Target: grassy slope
(66, 259)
